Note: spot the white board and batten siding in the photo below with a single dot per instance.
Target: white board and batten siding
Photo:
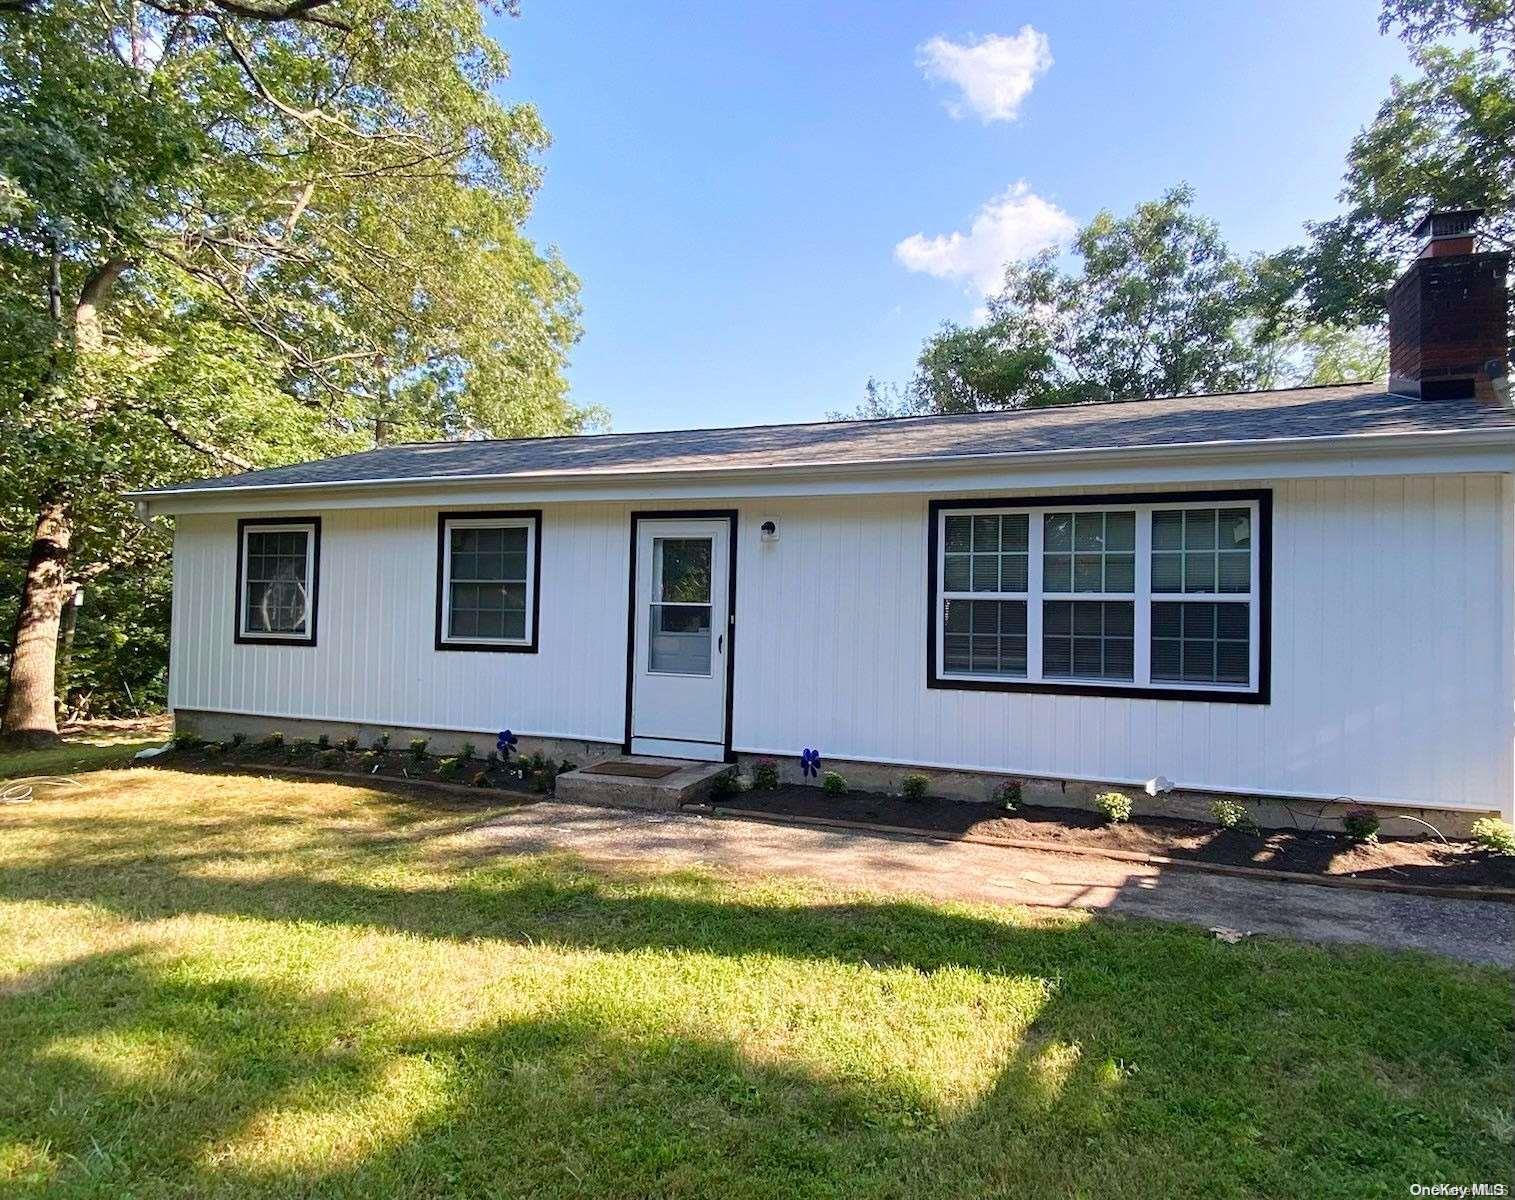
(1392, 650)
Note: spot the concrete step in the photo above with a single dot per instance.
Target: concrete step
(688, 782)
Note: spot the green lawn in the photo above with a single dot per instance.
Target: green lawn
(90, 752)
(228, 986)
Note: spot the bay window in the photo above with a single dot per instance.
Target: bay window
(1154, 595)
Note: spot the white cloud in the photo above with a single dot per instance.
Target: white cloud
(1015, 224)
(995, 73)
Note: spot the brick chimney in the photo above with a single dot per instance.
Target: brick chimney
(1448, 338)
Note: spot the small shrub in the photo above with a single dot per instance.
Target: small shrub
(480, 779)
(1116, 806)
(418, 748)
(765, 775)
(330, 758)
(448, 768)
(381, 743)
(272, 742)
(324, 741)
(238, 740)
(188, 741)
(371, 760)
(466, 752)
(914, 787)
(350, 743)
(833, 784)
(723, 786)
(1361, 824)
(542, 779)
(1494, 835)
(214, 749)
(1232, 814)
(300, 747)
(1007, 797)
(493, 758)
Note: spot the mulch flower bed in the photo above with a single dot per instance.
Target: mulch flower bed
(1406, 860)
(529, 776)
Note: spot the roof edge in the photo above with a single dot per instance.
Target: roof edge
(1450, 439)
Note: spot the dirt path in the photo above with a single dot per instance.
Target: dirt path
(1474, 931)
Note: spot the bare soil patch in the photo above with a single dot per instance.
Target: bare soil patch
(1418, 859)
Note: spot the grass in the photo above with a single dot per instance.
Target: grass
(227, 986)
(93, 751)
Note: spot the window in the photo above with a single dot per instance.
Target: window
(1154, 595)
(278, 560)
(680, 612)
(488, 581)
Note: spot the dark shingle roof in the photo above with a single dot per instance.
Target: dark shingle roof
(1336, 411)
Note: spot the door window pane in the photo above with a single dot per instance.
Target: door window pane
(679, 634)
(682, 568)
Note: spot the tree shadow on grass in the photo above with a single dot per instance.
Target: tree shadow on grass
(1157, 1062)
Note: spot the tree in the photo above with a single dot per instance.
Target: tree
(1157, 307)
(238, 234)
(1445, 139)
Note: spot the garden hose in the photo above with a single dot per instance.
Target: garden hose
(21, 791)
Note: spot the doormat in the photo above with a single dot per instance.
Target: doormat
(637, 770)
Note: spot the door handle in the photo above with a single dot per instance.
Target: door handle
(720, 643)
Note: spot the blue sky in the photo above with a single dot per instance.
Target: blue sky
(733, 182)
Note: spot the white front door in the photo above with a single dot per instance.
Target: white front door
(681, 637)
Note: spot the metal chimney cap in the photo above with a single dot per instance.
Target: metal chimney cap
(1447, 222)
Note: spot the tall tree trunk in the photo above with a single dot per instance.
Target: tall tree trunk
(31, 717)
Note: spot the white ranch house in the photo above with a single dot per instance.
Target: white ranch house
(1291, 595)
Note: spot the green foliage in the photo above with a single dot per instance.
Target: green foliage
(1361, 824)
(350, 743)
(272, 741)
(1158, 306)
(381, 743)
(724, 786)
(238, 740)
(765, 775)
(481, 779)
(1494, 835)
(1232, 814)
(188, 742)
(418, 747)
(324, 741)
(466, 752)
(1116, 806)
(273, 233)
(914, 787)
(1007, 795)
(833, 783)
(301, 748)
(1444, 138)
(330, 758)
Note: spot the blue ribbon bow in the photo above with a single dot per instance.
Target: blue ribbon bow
(505, 743)
(810, 762)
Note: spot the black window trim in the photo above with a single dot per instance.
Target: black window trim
(533, 516)
(1262, 497)
(272, 639)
